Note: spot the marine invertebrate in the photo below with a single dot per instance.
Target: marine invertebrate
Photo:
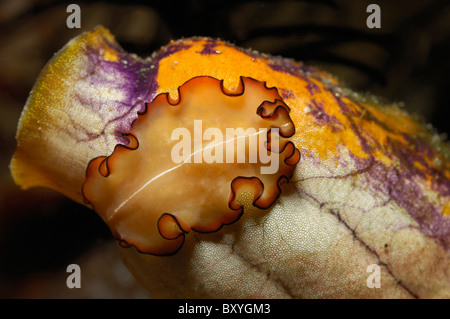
(203, 194)
(372, 186)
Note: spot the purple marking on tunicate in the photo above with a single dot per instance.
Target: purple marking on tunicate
(129, 75)
(322, 117)
(368, 116)
(409, 195)
(417, 153)
(289, 66)
(361, 164)
(136, 78)
(209, 48)
(419, 147)
(342, 104)
(365, 146)
(401, 185)
(281, 67)
(443, 184)
(286, 93)
(312, 87)
(402, 181)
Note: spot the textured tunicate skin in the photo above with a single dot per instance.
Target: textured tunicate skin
(372, 186)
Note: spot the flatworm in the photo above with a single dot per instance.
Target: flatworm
(150, 201)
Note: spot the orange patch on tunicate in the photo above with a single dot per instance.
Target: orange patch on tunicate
(446, 210)
(151, 200)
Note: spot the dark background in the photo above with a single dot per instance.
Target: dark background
(42, 232)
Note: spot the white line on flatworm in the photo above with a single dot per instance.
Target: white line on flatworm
(173, 168)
